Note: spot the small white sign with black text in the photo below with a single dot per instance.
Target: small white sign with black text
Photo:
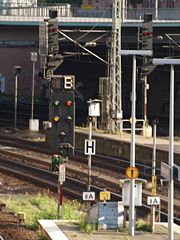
(153, 200)
(88, 196)
(90, 147)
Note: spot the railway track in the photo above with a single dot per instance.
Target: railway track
(73, 187)
(30, 168)
(109, 165)
(116, 165)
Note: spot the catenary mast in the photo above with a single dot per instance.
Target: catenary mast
(115, 85)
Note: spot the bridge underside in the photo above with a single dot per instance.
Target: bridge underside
(16, 43)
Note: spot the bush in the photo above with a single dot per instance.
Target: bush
(143, 225)
(87, 227)
(71, 210)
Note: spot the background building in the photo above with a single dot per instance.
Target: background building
(101, 4)
(16, 3)
(97, 4)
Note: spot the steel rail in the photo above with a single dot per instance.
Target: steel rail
(49, 179)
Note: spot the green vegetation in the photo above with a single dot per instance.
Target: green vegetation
(143, 225)
(87, 227)
(72, 210)
(44, 206)
(41, 206)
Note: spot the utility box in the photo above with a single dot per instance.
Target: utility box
(94, 108)
(137, 192)
(147, 131)
(34, 125)
(110, 215)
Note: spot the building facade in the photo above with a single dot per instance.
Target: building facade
(98, 4)
(18, 3)
(102, 4)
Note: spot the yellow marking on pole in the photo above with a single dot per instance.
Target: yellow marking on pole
(154, 191)
(130, 120)
(154, 184)
(154, 180)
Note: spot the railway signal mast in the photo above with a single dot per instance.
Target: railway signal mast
(147, 44)
(115, 114)
(61, 88)
(61, 107)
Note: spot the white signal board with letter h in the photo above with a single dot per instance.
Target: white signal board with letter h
(90, 147)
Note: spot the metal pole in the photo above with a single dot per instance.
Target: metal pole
(119, 76)
(132, 153)
(15, 103)
(154, 150)
(159, 212)
(123, 10)
(156, 9)
(113, 59)
(89, 157)
(89, 169)
(60, 199)
(145, 99)
(115, 74)
(59, 194)
(171, 158)
(32, 100)
(153, 213)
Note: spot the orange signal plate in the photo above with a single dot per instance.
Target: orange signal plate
(132, 172)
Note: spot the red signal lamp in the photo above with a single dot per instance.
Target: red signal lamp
(147, 34)
(69, 103)
(51, 29)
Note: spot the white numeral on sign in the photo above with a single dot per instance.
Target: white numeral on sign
(68, 83)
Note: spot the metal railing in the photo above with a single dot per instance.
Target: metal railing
(66, 10)
(138, 127)
(162, 14)
(39, 11)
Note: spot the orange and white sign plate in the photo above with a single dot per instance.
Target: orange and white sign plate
(132, 172)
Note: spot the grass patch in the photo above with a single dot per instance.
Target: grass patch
(41, 206)
(72, 210)
(143, 225)
(87, 227)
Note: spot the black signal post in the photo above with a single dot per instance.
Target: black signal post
(147, 44)
(63, 115)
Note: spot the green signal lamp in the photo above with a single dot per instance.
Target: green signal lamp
(56, 103)
(55, 159)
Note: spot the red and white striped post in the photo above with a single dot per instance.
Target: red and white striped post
(145, 100)
(60, 199)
